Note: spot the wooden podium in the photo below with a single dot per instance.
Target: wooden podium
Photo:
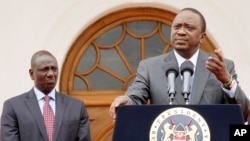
(155, 122)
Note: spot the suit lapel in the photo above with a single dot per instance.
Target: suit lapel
(33, 106)
(200, 78)
(60, 106)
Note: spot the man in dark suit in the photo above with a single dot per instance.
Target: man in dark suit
(23, 116)
(214, 77)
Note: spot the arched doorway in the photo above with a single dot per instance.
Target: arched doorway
(102, 61)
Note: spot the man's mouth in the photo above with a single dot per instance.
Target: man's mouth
(180, 41)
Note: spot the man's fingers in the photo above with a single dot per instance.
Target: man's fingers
(218, 53)
(113, 107)
(112, 111)
(120, 100)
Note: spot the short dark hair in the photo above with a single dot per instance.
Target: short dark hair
(203, 21)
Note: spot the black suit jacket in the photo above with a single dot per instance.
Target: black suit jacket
(22, 119)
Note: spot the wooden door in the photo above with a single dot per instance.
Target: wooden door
(102, 62)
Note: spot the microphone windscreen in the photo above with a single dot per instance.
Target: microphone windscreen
(171, 67)
(187, 66)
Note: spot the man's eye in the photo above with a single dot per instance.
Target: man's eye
(54, 69)
(190, 27)
(43, 70)
(177, 26)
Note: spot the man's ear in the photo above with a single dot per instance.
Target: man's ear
(203, 35)
(31, 74)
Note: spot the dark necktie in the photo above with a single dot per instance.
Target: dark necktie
(49, 118)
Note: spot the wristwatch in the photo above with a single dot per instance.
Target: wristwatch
(228, 85)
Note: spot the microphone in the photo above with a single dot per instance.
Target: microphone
(187, 70)
(172, 72)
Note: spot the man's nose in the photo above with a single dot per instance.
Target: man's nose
(181, 31)
(50, 72)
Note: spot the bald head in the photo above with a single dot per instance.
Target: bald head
(38, 54)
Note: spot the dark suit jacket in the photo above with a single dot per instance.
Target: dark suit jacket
(151, 83)
(22, 119)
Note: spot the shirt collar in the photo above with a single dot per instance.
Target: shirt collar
(193, 59)
(40, 95)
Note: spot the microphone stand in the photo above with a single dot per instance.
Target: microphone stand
(172, 72)
(185, 95)
(171, 98)
(187, 70)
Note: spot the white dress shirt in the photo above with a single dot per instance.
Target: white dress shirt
(41, 101)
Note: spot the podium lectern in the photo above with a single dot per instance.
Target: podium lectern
(137, 122)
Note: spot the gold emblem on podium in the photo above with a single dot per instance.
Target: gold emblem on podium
(179, 124)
